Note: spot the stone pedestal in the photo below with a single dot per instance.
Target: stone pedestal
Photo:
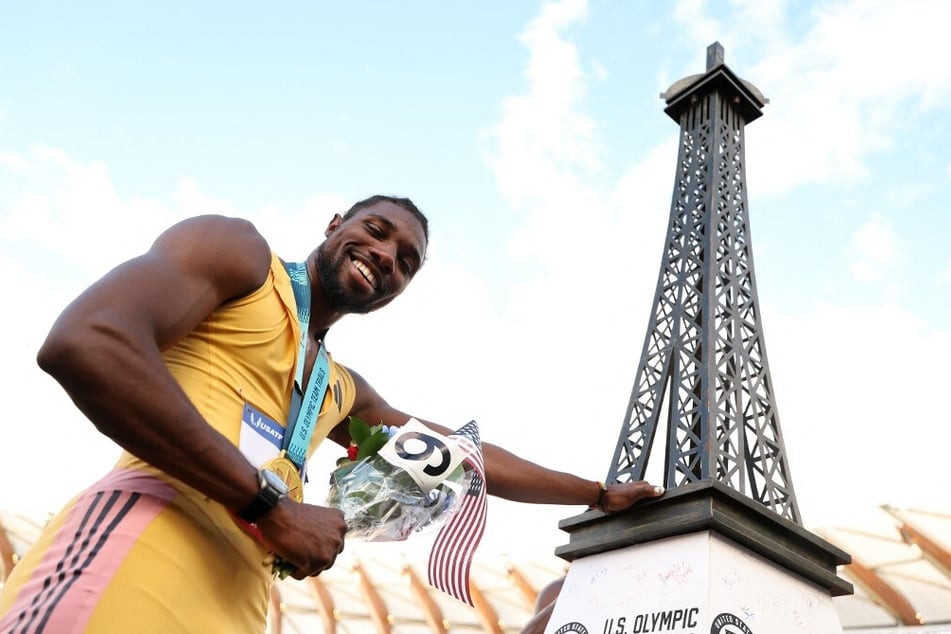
(703, 559)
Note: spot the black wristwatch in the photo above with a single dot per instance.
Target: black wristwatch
(272, 490)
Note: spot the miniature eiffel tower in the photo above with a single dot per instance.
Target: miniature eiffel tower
(704, 344)
(724, 549)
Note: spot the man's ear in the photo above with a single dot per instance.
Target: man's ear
(336, 222)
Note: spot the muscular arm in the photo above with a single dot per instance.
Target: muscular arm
(105, 350)
(508, 476)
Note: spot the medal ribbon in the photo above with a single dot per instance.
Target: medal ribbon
(304, 407)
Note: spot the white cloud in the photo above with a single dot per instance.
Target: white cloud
(700, 27)
(944, 275)
(63, 225)
(645, 187)
(873, 250)
(542, 141)
(576, 315)
(294, 233)
(839, 93)
(857, 436)
(63, 206)
(14, 161)
(194, 202)
(37, 414)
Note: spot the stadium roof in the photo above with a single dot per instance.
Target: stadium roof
(901, 570)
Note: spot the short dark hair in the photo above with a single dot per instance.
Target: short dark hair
(404, 203)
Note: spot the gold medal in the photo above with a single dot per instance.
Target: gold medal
(289, 473)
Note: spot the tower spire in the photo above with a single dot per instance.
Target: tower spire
(704, 357)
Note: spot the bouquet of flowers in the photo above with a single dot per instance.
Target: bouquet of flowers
(397, 481)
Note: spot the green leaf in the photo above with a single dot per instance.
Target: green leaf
(359, 430)
(372, 444)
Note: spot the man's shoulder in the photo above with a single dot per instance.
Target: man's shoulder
(217, 226)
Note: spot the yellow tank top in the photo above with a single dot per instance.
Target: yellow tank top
(244, 353)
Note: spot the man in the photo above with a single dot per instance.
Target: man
(183, 356)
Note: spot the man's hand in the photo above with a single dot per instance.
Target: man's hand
(306, 536)
(620, 496)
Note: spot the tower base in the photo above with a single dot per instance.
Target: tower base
(703, 559)
(695, 584)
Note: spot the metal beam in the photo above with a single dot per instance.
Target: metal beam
(325, 604)
(519, 581)
(487, 614)
(882, 592)
(378, 612)
(890, 599)
(434, 616)
(935, 553)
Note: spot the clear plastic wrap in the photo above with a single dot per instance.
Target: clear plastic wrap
(382, 502)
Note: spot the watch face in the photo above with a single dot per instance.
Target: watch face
(274, 481)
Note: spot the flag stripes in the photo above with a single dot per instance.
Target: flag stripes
(451, 557)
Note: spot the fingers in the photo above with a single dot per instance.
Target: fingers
(315, 566)
(648, 490)
(300, 574)
(326, 561)
(310, 538)
(622, 496)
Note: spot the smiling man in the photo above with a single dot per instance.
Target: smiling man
(204, 359)
(380, 279)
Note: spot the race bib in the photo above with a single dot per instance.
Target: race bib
(261, 438)
(427, 456)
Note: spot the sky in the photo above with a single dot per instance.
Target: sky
(533, 136)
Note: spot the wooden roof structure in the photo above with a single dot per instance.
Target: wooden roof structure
(901, 570)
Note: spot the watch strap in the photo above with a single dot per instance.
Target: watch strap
(266, 499)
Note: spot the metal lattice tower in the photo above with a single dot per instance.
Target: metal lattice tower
(704, 347)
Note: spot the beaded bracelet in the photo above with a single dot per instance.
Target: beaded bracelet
(600, 501)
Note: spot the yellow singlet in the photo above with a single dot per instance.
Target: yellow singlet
(142, 552)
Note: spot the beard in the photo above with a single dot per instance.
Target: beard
(329, 275)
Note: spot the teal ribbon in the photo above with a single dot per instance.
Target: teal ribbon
(305, 406)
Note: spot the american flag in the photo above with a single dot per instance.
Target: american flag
(451, 556)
